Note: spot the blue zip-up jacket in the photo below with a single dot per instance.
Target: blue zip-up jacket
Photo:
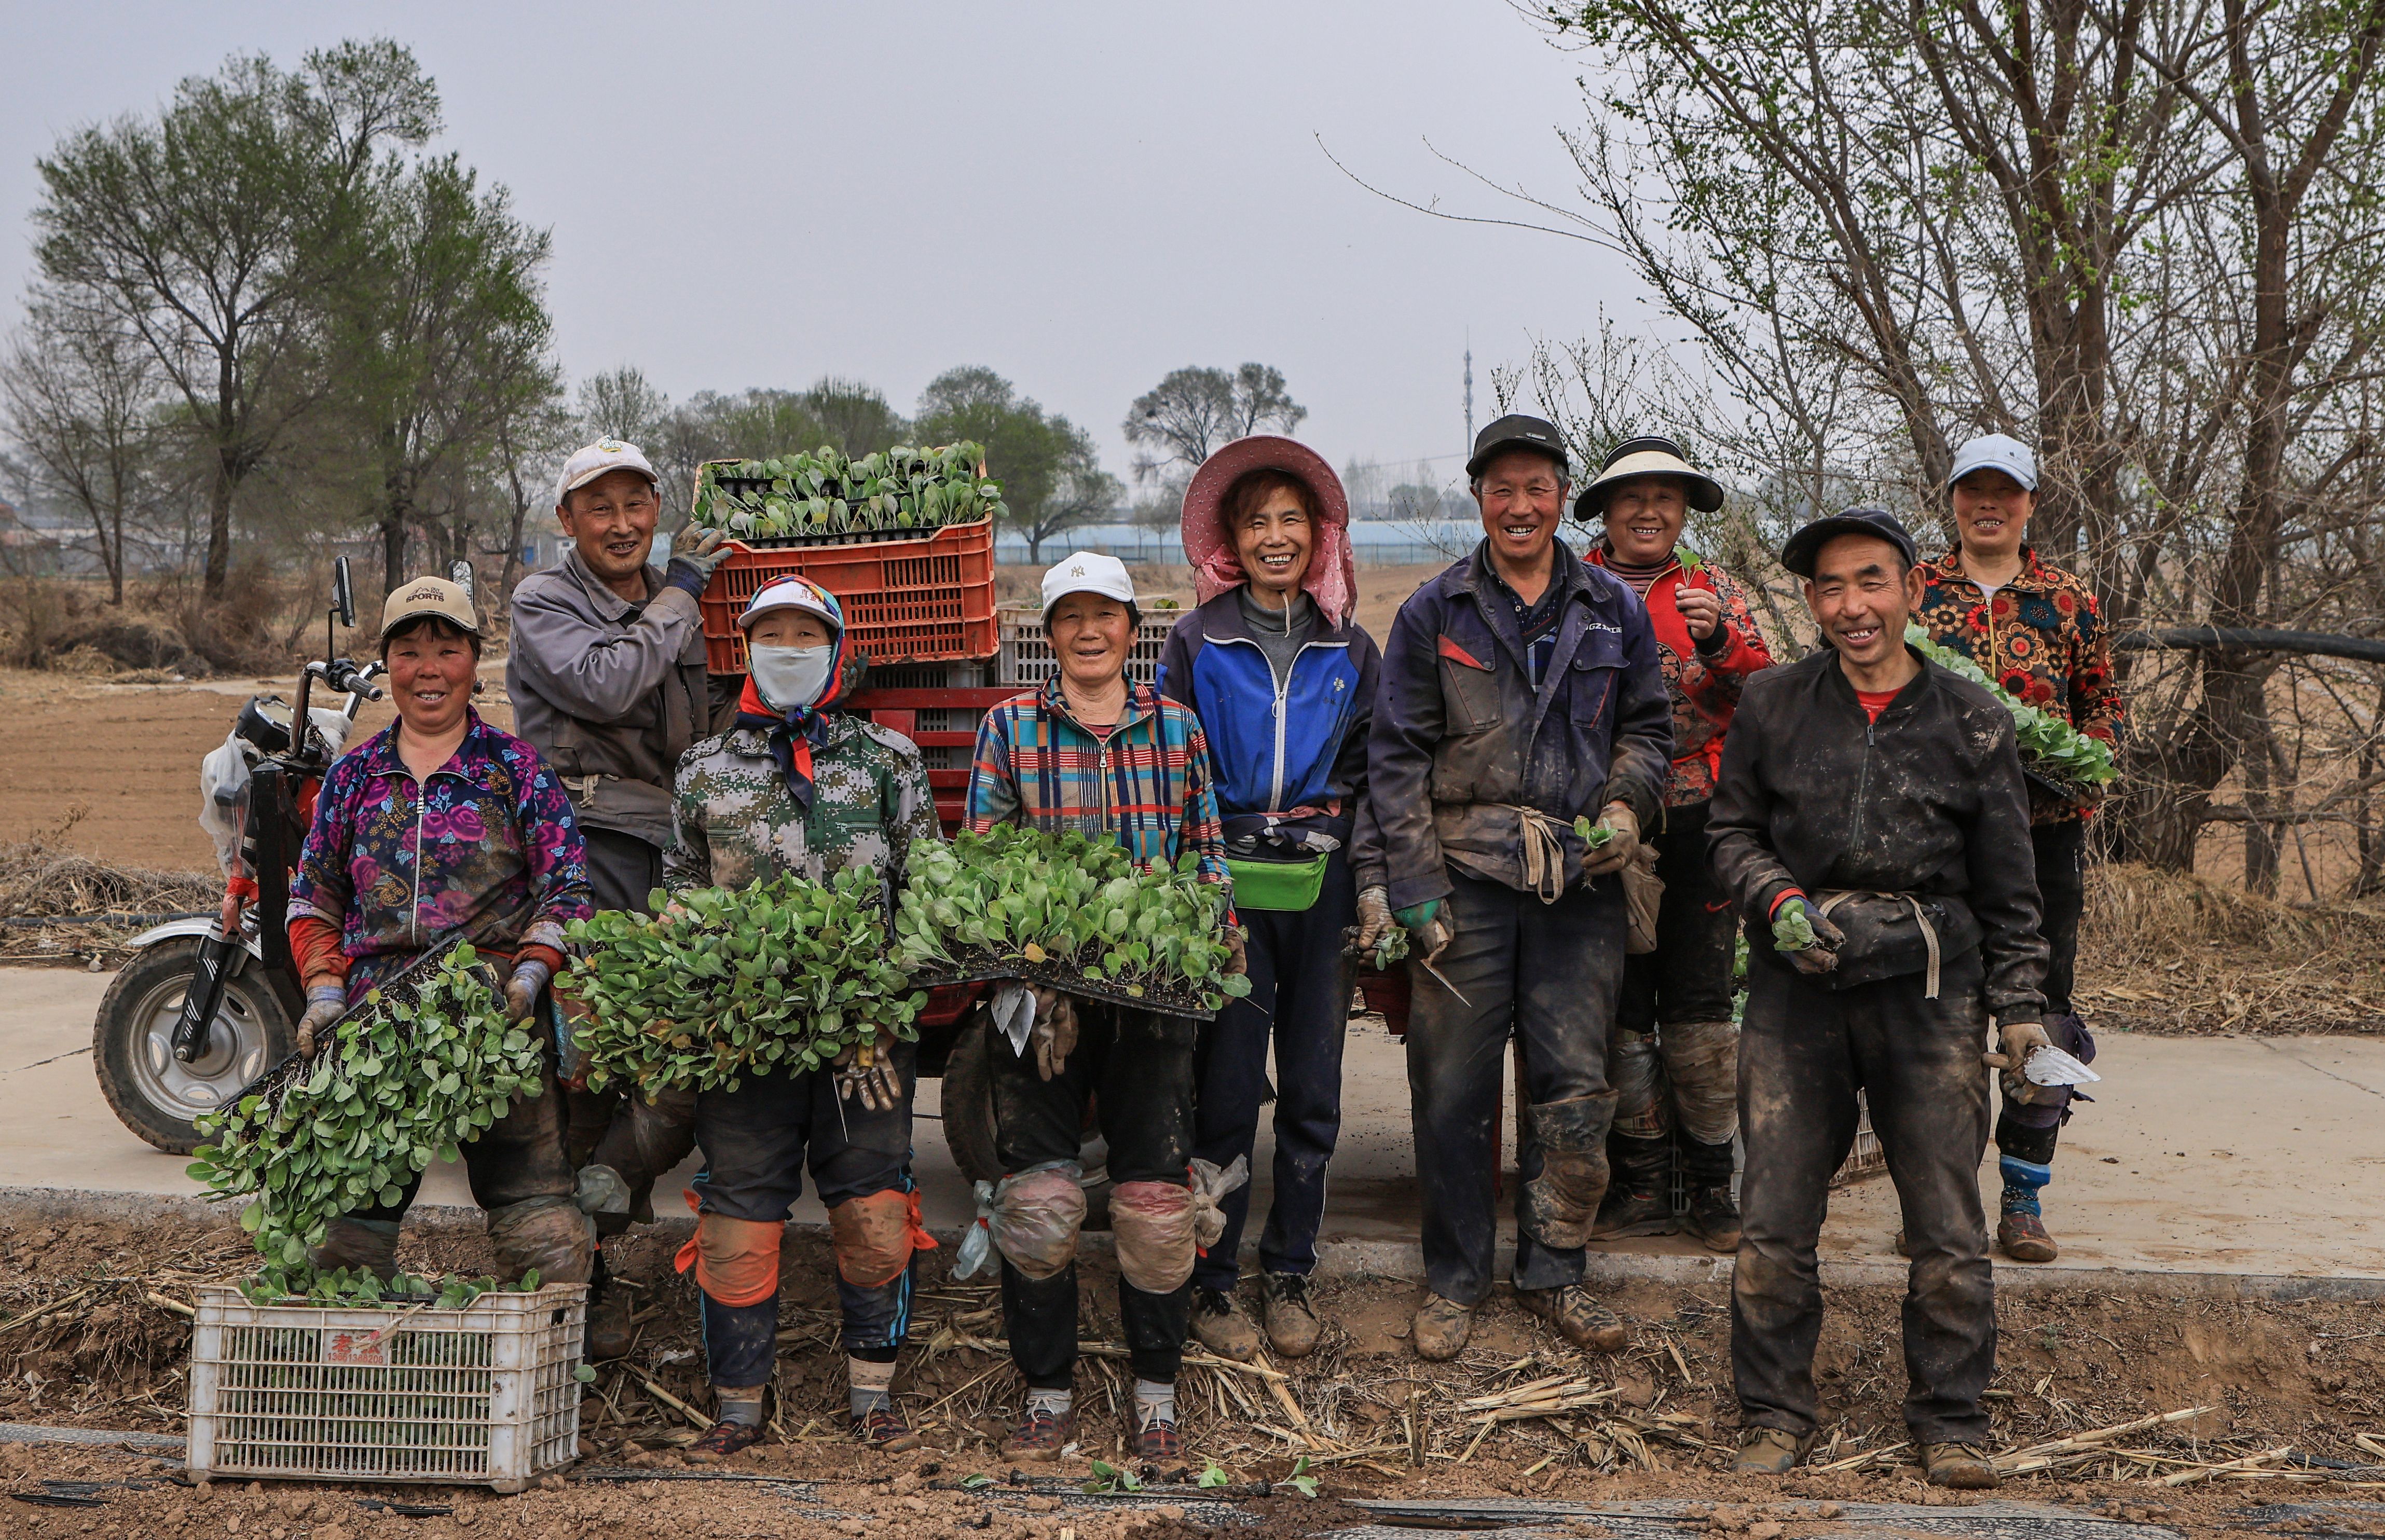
(1461, 738)
(1304, 749)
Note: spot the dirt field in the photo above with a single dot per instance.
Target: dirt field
(2310, 1376)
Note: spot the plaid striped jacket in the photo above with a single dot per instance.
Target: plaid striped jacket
(1148, 784)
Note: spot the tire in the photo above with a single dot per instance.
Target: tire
(969, 1123)
(131, 1044)
(968, 1104)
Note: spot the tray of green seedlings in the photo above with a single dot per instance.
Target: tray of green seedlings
(1075, 913)
(2068, 763)
(424, 1062)
(825, 496)
(778, 976)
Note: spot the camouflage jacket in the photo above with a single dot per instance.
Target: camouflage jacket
(733, 819)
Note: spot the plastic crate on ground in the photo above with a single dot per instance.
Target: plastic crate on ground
(480, 1396)
(1026, 657)
(906, 600)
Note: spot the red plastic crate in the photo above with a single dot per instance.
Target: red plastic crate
(905, 600)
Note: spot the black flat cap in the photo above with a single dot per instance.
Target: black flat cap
(1879, 523)
(1517, 431)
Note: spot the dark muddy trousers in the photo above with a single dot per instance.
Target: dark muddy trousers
(1543, 973)
(2028, 1131)
(756, 1140)
(606, 1127)
(1657, 1074)
(1300, 995)
(1803, 1054)
(1136, 1066)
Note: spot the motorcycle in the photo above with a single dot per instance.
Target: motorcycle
(205, 1006)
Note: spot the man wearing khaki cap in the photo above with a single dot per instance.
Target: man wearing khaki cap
(608, 679)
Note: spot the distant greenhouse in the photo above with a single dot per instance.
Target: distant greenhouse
(1376, 542)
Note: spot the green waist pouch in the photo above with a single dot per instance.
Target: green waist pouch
(1260, 884)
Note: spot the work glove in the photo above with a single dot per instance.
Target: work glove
(866, 1074)
(1374, 918)
(1806, 936)
(2018, 1040)
(695, 552)
(1054, 1035)
(530, 976)
(1238, 951)
(1430, 930)
(1621, 844)
(325, 1004)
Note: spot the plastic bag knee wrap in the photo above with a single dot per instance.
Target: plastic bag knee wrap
(1031, 1217)
(1703, 1060)
(548, 1233)
(367, 1245)
(1560, 1203)
(1160, 1227)
(873, 1236)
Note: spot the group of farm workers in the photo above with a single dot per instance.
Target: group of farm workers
(1573, 779)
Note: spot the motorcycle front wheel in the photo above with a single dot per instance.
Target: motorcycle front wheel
(132, 1046)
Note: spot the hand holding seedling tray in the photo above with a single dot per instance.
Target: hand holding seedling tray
(1069, 912)
(776, 977)
(2051, 749)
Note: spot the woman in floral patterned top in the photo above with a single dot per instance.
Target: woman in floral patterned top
(439, 827)
(2032, 628)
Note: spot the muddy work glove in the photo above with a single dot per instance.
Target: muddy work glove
(2018, 1040)
(1806, 936)
(866, 1074)
(1238, 951)
(1429, 927)
(1054, 1035)
(695, 552)
(1375, 919)
(325, 1003)
(1613, 841)
(530, 976)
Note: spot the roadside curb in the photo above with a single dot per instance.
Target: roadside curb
(1398, 1260)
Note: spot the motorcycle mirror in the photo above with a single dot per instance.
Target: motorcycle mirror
(344, 594)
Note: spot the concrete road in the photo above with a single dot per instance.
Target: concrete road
(2232, 1155)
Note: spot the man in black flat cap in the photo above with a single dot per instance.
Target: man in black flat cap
(1871, 822)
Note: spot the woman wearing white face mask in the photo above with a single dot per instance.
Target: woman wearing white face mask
(798, 787)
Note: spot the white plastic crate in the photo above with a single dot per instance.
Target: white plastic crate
(480, 1396)
(1026, 657)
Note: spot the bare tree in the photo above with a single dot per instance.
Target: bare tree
(1193, 411)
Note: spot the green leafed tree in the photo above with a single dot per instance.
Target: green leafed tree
(206, 235)
(1050, 469)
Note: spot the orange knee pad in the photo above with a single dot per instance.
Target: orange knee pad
(874, 1235)
(736, 1261)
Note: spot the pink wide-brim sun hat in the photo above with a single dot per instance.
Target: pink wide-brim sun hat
(1332, 578)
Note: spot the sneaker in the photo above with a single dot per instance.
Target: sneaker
(883, 1428)
(1441, 1329)
(1632, 1210)
(1291, 1324)
(1575, 1313)
(1157, 1441)
(2021, 1236)
(1041, 1435)
(1713, 1218)
(1218, 1322)
(1769, 1452)
(1965, 1467)
(723, 1441)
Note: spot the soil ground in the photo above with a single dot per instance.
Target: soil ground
(2308, 1375)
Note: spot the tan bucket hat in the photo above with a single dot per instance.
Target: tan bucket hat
(419, 596)
(1653, 455)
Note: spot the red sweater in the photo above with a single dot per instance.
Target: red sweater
(1703, 682)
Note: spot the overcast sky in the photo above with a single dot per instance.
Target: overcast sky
(1082, 196)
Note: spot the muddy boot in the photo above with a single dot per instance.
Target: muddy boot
(1577, 1316)
(1561, 1203)
(2022, 1236)
(1220, 1323)
(1291, 1324)
(1965, 1467)
(1639, 1191)
(1441, 1328)
(359, 1245)
(547, 1234)
(1712, 1216)
(1769, 1452)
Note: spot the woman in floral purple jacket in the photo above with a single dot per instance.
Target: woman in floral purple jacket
(442, 826)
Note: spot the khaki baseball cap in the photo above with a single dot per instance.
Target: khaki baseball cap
(598, 459)
(421, 596)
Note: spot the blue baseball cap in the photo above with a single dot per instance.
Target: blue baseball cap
(1995, 452)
